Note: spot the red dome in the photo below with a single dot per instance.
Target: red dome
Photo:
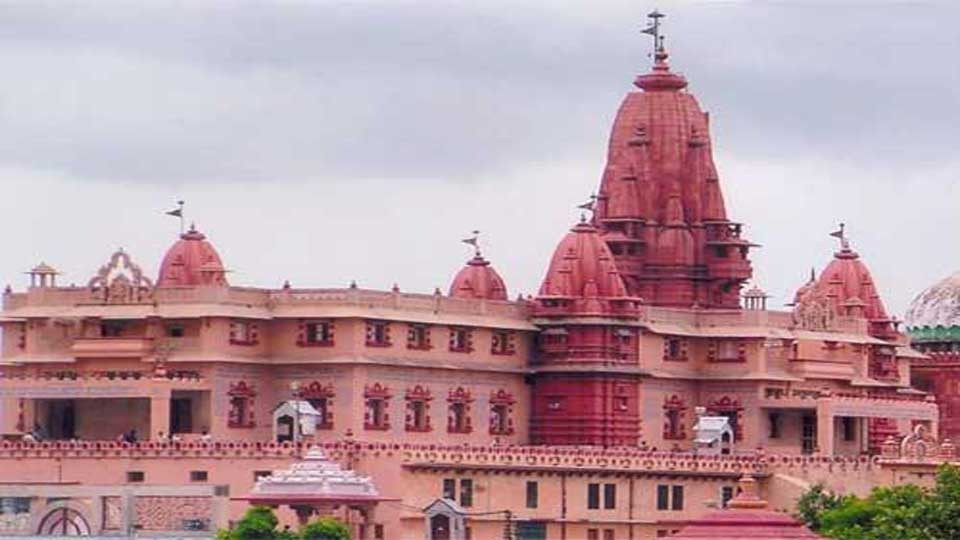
(478, 280)
(191, 261)
(847, 284)
(582, 267)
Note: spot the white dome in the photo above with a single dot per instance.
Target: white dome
(937, 306)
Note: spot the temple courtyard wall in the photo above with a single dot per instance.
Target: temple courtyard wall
(569, 492)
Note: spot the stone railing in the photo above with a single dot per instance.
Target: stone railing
(531, 458)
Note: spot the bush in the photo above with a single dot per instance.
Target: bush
(326, 528)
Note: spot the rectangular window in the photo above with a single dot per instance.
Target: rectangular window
(726, 494)
(260, 474)
(728, 351)
(677, 502)
(502, 342)
(849, 428)
(378, 334)
(198, 476)
(608, 534)
(593, 496)
(243, 333)
(418, 337)
(593, 534)
(112, 328)
(450, 489)
(378, 532)
(663, 497)
(136, 476)
(774, 425)
(417, 420)
(175, 331)
(318, 333)
(533, 494)
(609, 496)
(466, 492)
(376, 414)
(673, 350)
(460, 340)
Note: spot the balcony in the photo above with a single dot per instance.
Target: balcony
(111, 347)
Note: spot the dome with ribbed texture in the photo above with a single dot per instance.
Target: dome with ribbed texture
(191, 261)
(939, 305)
(478, 279)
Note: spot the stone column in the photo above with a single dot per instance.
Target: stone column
(825, 427)
(159, 412)
(128, 511)
(368, 522)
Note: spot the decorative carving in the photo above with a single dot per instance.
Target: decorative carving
(814, 311)
(173, 513)
(458, 417)
(732, 409)
(321, 398)
(919, 444)
(501, 412)
(120, 281)
(241, 406)
(418, 409)
(376, 400)
(673, 415)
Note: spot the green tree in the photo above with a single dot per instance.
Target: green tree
(325, 528)
(814, 503)
(259, 523)
(906, 512)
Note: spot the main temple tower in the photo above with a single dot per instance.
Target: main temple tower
(660, 208)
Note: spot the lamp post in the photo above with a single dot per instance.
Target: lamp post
(295, 390)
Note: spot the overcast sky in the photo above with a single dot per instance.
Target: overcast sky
(323, 142)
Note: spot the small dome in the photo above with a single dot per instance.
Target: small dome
(192, 260)
(846, 283)
(478, 280)
(582, 266)
(937, 306)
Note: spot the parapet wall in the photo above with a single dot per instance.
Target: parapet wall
(432, 455)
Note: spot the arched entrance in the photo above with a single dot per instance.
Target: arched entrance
(63, 521)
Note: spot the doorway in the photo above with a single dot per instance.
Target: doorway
(181, 415)
(440, 527)
(61, 419)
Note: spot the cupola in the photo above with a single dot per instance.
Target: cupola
(478, 280)
(845, 288)
(191, 261)
(583, 277)
(937, 306)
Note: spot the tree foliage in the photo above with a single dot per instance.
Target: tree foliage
(326, 528)
(260, 523)
(905, 512)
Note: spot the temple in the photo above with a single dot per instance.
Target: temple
(626, 400)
